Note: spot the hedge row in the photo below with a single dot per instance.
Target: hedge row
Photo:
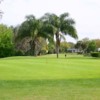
(95, 54)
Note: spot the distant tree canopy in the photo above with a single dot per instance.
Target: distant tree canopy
(97, 41)
(86, 46)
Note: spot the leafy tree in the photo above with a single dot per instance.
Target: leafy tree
(79, 45)
(91, 46)
(59, 26)
(6, 44)
(63, 47)
(86, 46)
(71, 45)
(82, 45)
(43, 46)
(51, 48)
(97, 41)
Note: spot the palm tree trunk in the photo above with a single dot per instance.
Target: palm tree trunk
(57, 50)
(57, 44)
(32, 48)
(34, 44)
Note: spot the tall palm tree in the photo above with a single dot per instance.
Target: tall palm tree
(59, 26)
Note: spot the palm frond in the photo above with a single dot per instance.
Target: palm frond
(30, 17)
(71, 31)
(64, 16)
(62, 36)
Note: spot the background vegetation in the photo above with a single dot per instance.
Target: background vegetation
(17, 41)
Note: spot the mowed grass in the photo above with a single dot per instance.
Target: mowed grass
(48, 78)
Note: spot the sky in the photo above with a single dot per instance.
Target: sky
(86, 13)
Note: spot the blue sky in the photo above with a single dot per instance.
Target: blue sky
(86, 13)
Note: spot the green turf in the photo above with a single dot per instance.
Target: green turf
(48, 78)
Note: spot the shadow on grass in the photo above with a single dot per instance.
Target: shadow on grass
(56, 83)
(72, 89)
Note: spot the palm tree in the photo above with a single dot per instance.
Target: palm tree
(59, 26)
(34, 29)
(31, 28)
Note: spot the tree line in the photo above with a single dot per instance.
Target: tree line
(89, 47)
(43, 36)
(34, 36)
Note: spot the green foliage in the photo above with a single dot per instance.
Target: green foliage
(46, 27)
(86, 45)
(42, 52)
(63, 47)
(51, 48)
(91, 46)
(97, 41)
(95, 54)
(78, 45)
(71, 45)
(60, 26)
(19, 53)
(6, 44)
(35, 29)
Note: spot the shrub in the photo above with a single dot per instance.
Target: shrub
(80, 52)
(95, 54)
(42, 52)
(19, 53)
